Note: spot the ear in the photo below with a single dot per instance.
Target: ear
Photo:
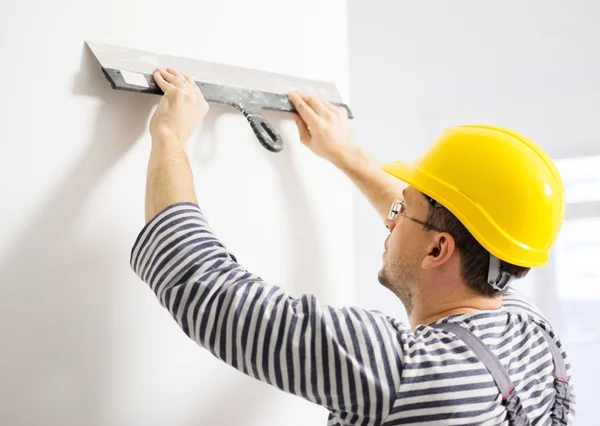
(439, 251)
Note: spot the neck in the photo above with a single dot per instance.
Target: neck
(430, 307)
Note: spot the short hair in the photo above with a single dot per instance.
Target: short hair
(474, 259)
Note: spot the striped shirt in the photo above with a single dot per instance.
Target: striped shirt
(364, 367)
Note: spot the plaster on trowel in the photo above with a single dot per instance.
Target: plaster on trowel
(247, 90)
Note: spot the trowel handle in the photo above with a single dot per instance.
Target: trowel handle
(266, 134)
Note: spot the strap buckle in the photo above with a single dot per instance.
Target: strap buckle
(499, 280)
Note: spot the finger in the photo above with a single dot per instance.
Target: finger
(302, 128)
(341, 110)
(334, 108)
(184, 78)
(316, 104)
(175, 73)
(174, 77)
(329, 105)
(161, 82)
(308, 115)
(189, 79)
(167, 76)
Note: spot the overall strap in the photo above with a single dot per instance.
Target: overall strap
(562, 399)
(560, 369)
(515, 413)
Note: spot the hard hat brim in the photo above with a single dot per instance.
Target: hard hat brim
(406, 173)
(462, 208)
(402, 171)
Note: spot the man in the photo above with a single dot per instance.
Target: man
(476, 187)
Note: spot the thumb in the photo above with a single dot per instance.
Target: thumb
(302, 128)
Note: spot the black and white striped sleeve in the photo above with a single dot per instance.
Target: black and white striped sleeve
(347, 360)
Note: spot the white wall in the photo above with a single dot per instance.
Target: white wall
(419, 67)
(84, 342)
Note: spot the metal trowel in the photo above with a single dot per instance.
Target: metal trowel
(248, 90)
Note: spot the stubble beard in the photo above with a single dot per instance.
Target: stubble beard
(399, 285)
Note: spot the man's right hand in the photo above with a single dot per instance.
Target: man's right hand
(324, 128)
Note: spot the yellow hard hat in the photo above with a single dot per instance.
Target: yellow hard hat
(503, 188)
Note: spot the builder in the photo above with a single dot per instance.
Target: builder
(481, 207)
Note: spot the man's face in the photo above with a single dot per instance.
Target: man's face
(405, 247)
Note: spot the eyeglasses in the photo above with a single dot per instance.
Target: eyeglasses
(398, 207)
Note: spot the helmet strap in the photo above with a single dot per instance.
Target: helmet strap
(498, 279)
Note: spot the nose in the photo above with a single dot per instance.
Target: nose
(390, 224)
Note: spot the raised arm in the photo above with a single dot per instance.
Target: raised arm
(169, 179)
(347, 360)
(325, 129)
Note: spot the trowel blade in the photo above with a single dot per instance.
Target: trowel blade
(146, 62)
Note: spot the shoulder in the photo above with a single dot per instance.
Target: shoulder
(516, 302)
(517, 321)
(423, 346)
(514, 333)
(442, 376)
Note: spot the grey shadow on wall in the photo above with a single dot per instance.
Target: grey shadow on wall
(206, 150)
(308, 272)
(233, 402)
(58, 299)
